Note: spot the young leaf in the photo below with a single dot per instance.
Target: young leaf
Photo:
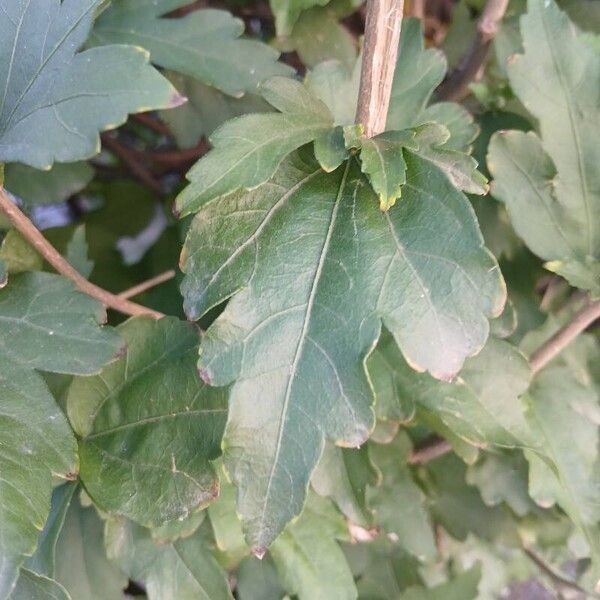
(149, 426)
(310, 563)
(287, 12)
(297, 337)
(248, 150)
(205, 44)
(185, 570)
(551, 185)
(53, 102)
(77, 252)
(397, 502)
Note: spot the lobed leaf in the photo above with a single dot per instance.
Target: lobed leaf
(205, 44)
(294, 340)
(53, 102)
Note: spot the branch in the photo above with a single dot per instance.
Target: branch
(140, 288)
(382, 35)
(562, 338)
(130, 159)
(32, 234)
(456, 87)
(433, 448)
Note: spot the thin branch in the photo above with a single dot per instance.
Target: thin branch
(32, 234)
(131, 160)
(559, 581)
(175, 158)
(155, 125)
(382, 35)
(562, 338)
(456, 87)
(144, 286)
(432, 449)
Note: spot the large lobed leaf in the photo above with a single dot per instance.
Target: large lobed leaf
(205, 44)
(149, 426)
(551, 183)
(294, 338)
(44, 324)
(54, 101)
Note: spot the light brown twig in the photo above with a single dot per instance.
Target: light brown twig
(429, 451)
(456, 87)
(562, 338)
(144, 286)
(382, 35)
(32, 234)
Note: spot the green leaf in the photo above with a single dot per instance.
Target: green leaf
(206, 109)
(463, 587)
(397, 502)
(286, 13)
(45, 324)
(77, 252)
(3, 273)
(205, 44)
(550, 183)
(330, 149)
(257, 580)
(297, 337)
(318, 36)
(53, 102)
(382, 161)
(37, 443)
(343, 475)
(502, 478)
(149, 426)
(310, 563)
(248, 150)
(483, 406)
(58, 184)
(38, 587)
(82, 567)
(18, 254)
(171, 531)
(185, 570)
(44, 559)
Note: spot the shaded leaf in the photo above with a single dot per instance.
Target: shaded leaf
(149, 426)
(343, 475)
(397, 502)
(310, 563)
(185, 570)
(77, 252)
(463, 587)
(286, 13)
(81, 564)
(54, 101)
(18, 254)
(297, 338)
(257, 580)
(205, 44)
(58, 184)
(247, 150)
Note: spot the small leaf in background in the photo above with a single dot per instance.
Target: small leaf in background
(77, 252)
(286, 13)
(206, 109)
(343, 475)
(37, 188)
(149, 427)
(354, 268)
(183, 570)
(18, 254)
(310, 563)
(258, 580)
(397, 503)
(247, 151)
(550, 183)
(56, 101)
(463, 587)
(205, 44)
